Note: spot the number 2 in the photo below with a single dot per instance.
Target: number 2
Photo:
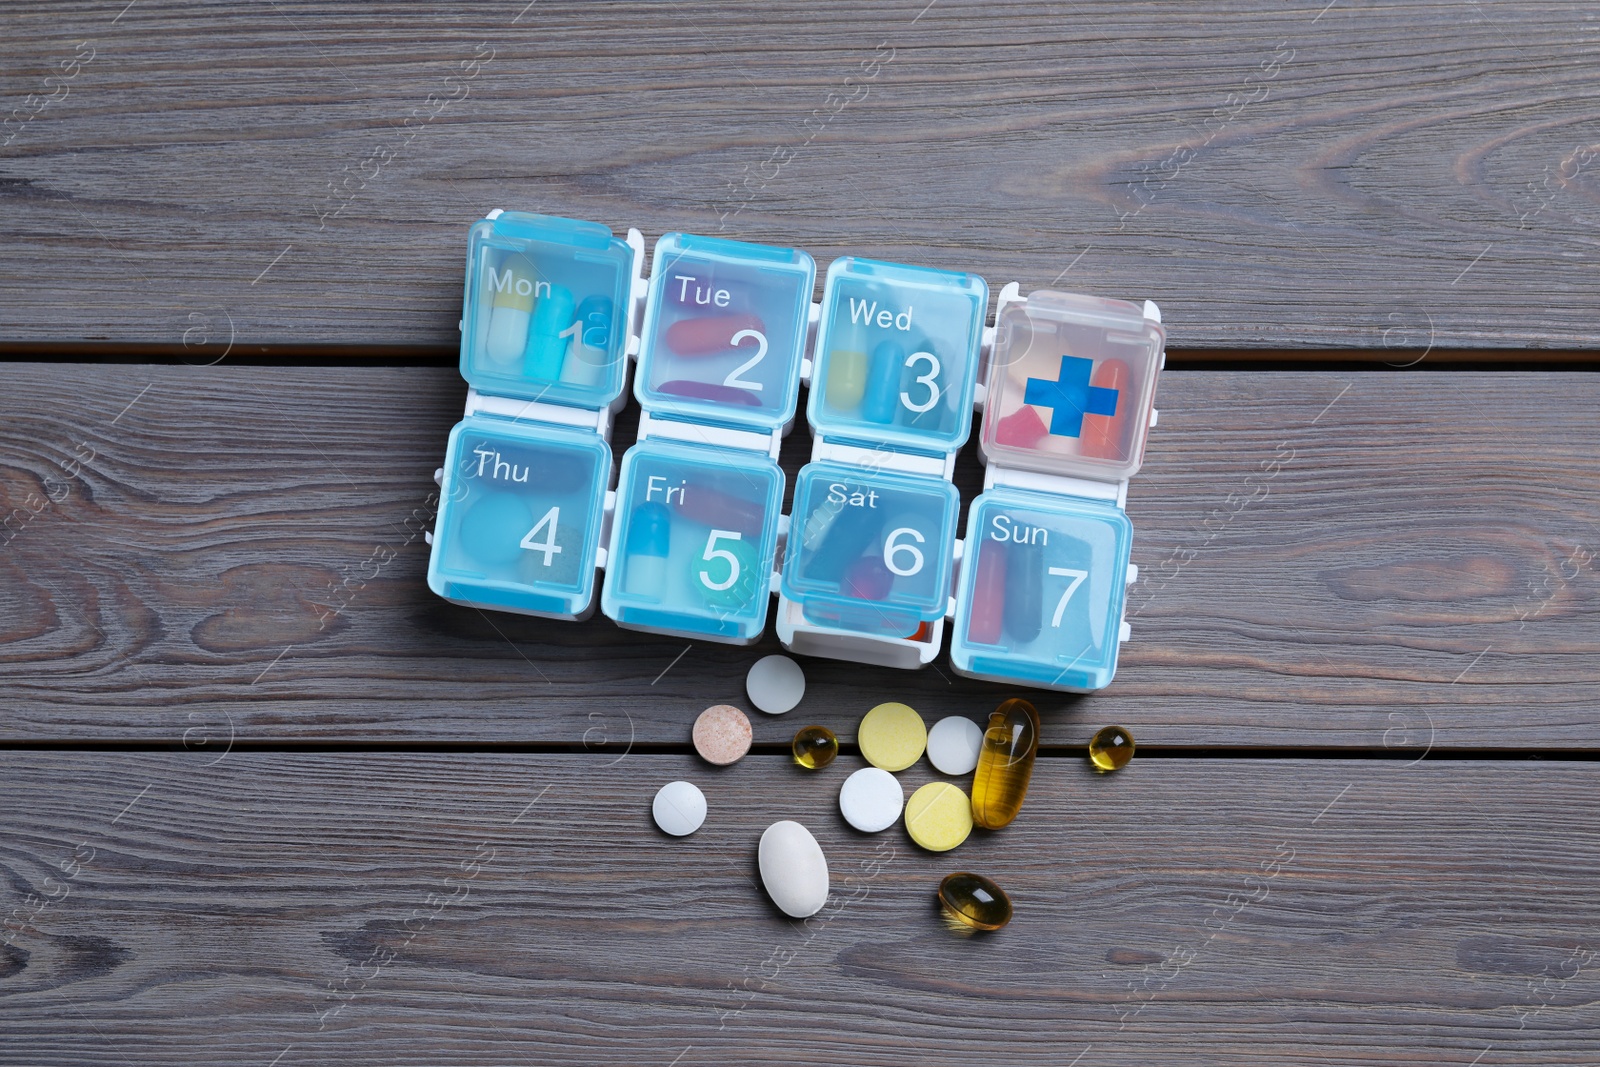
(926, 379)
(1077, 580)
(548, 546)
(733, 380)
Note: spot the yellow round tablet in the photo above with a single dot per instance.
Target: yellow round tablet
(939, 816)
(892, 736)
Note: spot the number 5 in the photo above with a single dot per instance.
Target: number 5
(713, 553)
(1077, 580)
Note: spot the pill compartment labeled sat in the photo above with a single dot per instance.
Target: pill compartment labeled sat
(725, 331)
(545, 310)
(896, 355)
(519, 522)
(1070, 387)
(870, 551)
(693, 540)
(1042, 590)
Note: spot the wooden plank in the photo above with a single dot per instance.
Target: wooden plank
(383, 908)
(1410, 175)
(1361, 560)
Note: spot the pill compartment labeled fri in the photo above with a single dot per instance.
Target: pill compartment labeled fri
(693, 540)
(546, 310)
(869, 551)
(1070, 386)
(725, 331)
(1042, 590)
(520, 516)
(897, 354)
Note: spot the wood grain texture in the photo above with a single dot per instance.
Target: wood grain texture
(473, 909)
(1406, 175)
(1369, 560)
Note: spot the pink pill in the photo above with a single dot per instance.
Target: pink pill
(712, 335)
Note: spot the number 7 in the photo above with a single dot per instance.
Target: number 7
(1077, 580)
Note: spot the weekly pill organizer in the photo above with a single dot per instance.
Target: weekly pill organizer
(690, 538)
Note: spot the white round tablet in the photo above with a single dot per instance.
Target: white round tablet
(775, 684)
(871, 799)
(679, 808)
(954, 744)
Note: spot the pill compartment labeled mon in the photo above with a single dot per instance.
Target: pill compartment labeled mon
(1042, 590)
(693, 540)
(897, 352)
(870, 551)
(724, 331)
(544, 315)
(519, 521)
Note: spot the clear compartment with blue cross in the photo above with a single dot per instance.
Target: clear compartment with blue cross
(1068, 401)
(697, 520)
(549, 315)
(872, 538)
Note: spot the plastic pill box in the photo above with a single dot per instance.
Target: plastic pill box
(868, 566)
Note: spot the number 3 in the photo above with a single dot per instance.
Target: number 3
(926, 379)
(1077, 580)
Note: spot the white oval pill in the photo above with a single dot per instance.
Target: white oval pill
(954, 744)
(775, 684)
(679, 808)
(871, 799)
(793, 869)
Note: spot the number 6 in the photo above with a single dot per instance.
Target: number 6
(891, 549)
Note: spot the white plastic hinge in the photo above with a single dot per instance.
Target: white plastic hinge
(427, 537)
(1152, 312)
(775, 583)
(696, 433)
(783, 526)
(1155, 417)
(1124, 631)
(980, 393)
(881, 458)
(438, 477)
(511, 407)
(1133, 574)
(1055, 484)
(496, 213)
(958, 548)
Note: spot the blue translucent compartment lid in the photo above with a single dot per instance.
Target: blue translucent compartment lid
(519, 522)
(693, 540)
(724, 332)
(870, 550)
(897, 355)
(1042, 590)
(545, 313)
(1070, 386)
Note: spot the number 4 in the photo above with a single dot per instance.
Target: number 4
(1077, 580)
(548, 546)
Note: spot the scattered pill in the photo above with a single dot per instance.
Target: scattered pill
(939, 816)
(722, 734)
(1005, 764)
(871, 799)
(793, 869)
(814, 747)
(775, 684)
(974, 900)
(679, 808)
(892, 736)
(954, 744)
(1110, 749)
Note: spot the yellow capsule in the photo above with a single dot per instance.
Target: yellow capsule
(1110, 749)
(1005, 764)
(814, 747)
(847, 381)
(514, 288)
(974, 901)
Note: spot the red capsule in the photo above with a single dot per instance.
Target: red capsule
(1106, 436)
(711, 335)
(988, 595)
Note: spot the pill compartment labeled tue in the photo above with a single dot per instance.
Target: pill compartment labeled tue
(896, 354)
(519, 518)
(725, 331)
(693, 540)
(870, 551)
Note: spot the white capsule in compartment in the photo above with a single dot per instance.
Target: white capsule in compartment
(793, 869)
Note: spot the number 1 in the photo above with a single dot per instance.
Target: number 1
(1077, 580)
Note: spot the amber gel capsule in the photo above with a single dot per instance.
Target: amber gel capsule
(1005, 764)
(974, 901)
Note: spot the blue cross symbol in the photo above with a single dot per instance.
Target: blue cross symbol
(1070, 397)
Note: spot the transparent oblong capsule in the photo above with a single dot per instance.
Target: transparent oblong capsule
(1005, 764)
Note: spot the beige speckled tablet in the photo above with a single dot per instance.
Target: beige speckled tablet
(722, 734)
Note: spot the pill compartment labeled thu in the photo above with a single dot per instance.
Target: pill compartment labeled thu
(550, 313)
(693, 541)
(1068, 402)
(725, 331)
(1042, 590)
(897, 354)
